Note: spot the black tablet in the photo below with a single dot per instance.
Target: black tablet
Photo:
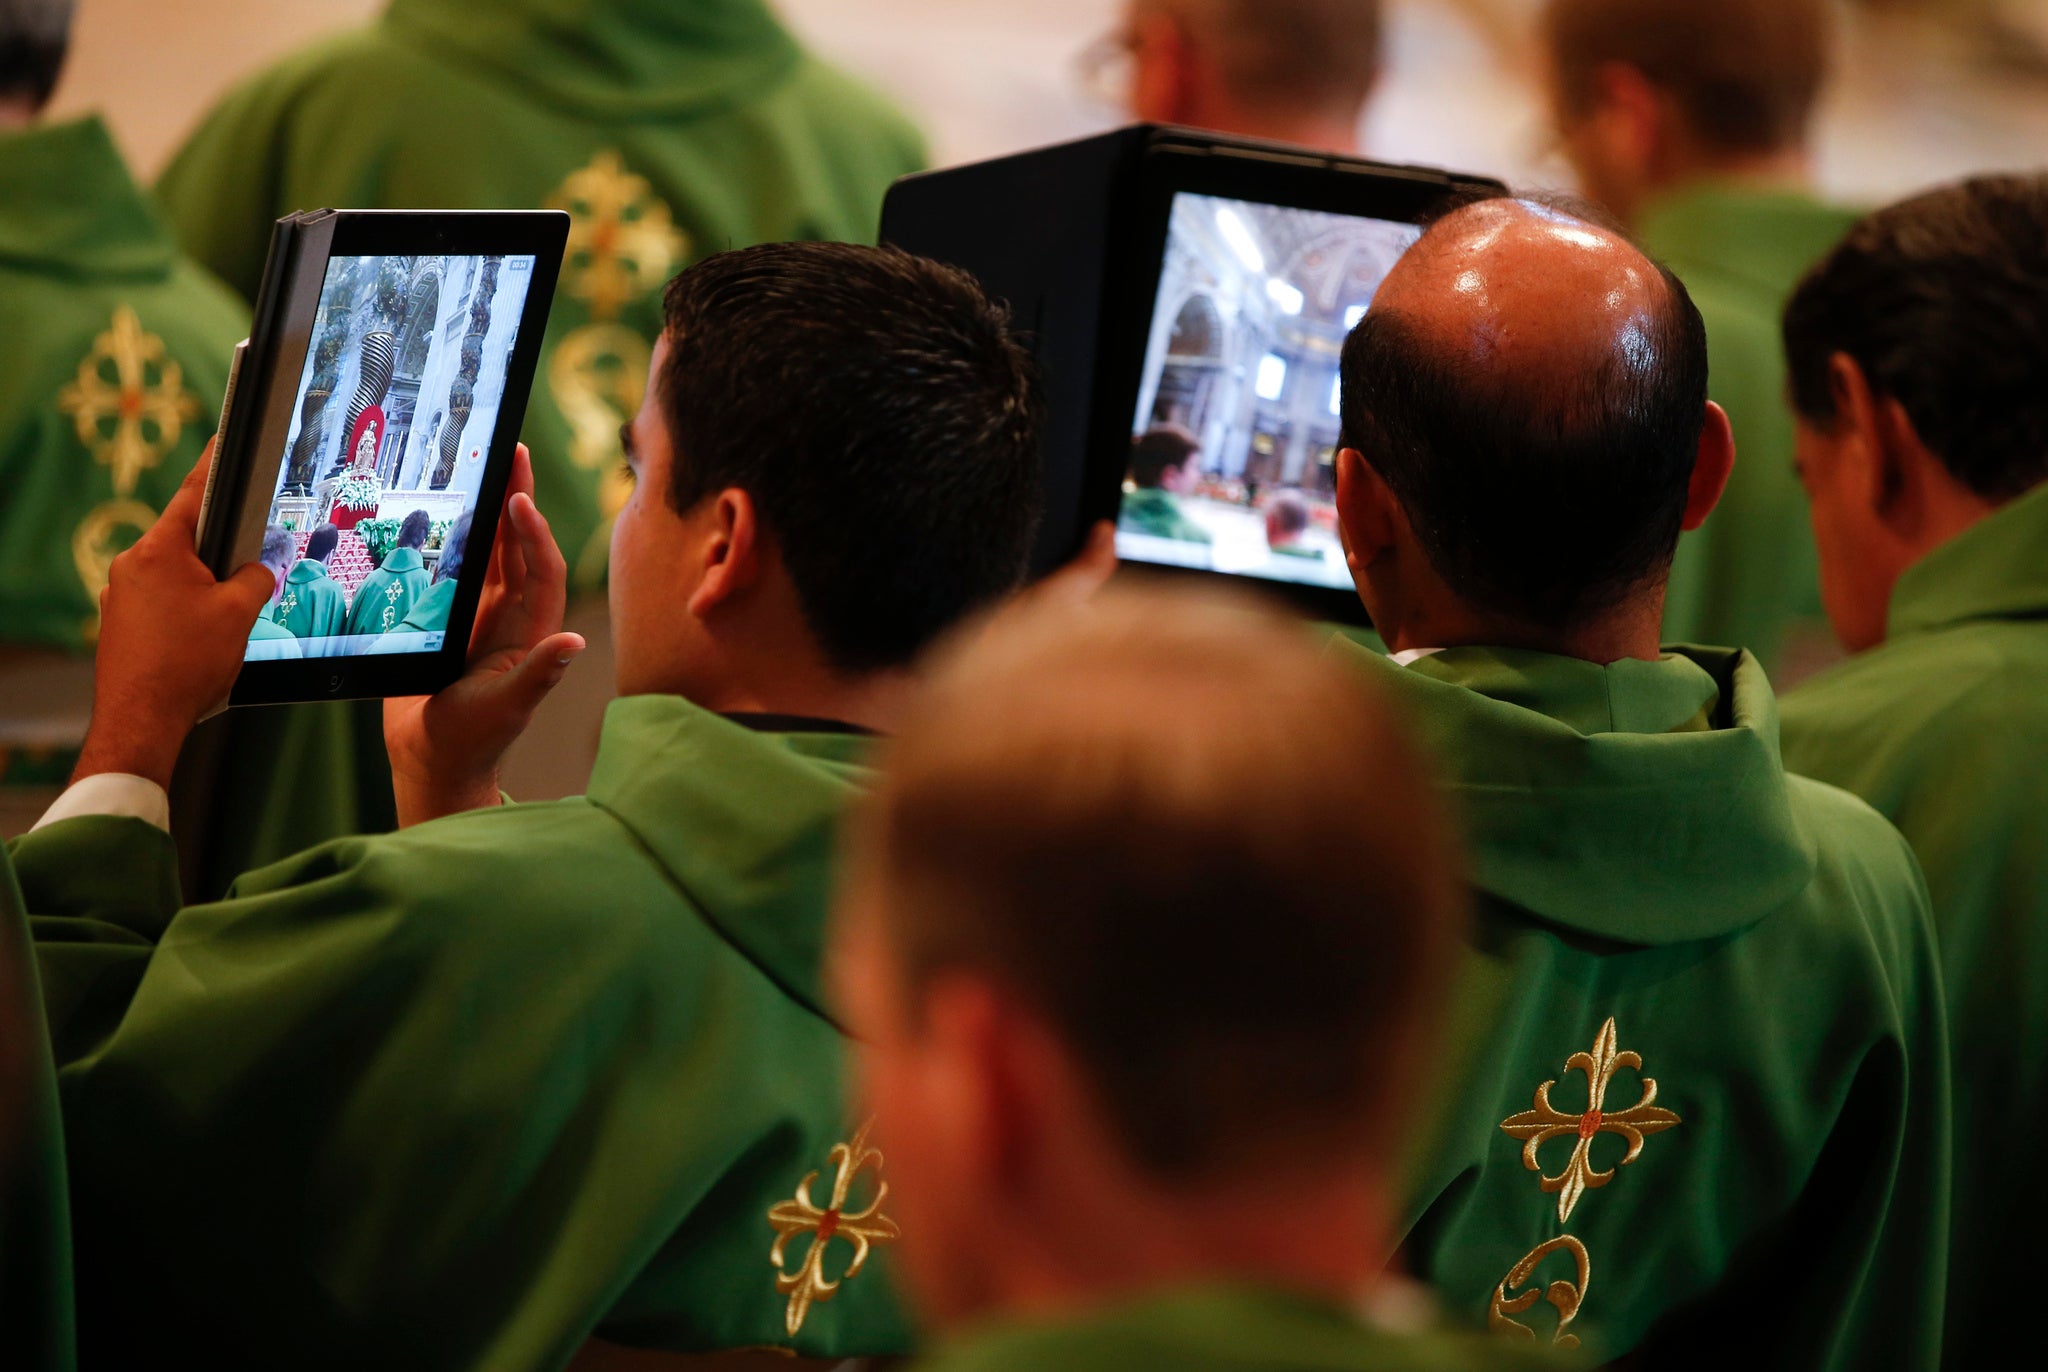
(1188, 295)
(367, 437)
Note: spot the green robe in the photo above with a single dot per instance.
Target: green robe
(35, 1227)
(1944, 728)
(465, 1095)
(1749, 575)
(669, 131)
(114, 350)
(1150, 510)
(1220, 1329)
(387, 594)
(283, 642)
(312, 604)
(1652, 882)
(429, 614)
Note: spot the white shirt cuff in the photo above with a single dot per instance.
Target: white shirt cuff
(120, 794)
(1409, 656)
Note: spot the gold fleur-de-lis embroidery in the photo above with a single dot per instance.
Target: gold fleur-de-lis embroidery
(1544, 1122)
(1565, 1296)
(808, 1285)
(129, 401)
(287, 605)
(622, 240)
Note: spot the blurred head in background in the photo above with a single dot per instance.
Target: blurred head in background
(34, 35)
(1296, 71)
(1648, 95)
(1918, 353)
(1148, 922)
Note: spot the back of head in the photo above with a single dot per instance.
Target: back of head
(1296, 57)
(1288, 514)
(1532, 389)
(277, 549)
(320, 545)
(34, 37)
(1159, 450)
(413, 530)
(1942, 300)
(454, 546)
(1744, 74)
(883, 418)
(1201, 851)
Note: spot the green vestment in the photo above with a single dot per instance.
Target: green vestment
(429, 614)
(1659, 902)
(312, 604)
(35, 1228)
(1150, 510)
(1221, 1329)
(1944, 728)
(465, 1095)
(282, 641)
(114, 350)
(668, 131)
(1748, 576)
(387, 594)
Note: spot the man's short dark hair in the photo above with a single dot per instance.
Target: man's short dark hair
(1744, 73)
(884, 419)
(454, 544)
(277, 548)
(320, 546)
(34, 37)
(1290, 512)
(1158, 451)
(1545, 505)
(413, 530)
(1942, 300)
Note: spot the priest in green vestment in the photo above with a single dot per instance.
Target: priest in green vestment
(1162, 467)
(1694, 1092)
(386, 595)
(665, 130)
(312, 604)
(1119, 1000)
(1692, 124)
(36, 1333)
(520, 1076)
(268, 638)
(1919, 364)
(429, 614)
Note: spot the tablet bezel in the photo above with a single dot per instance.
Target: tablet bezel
(540, 234)
(1271, 176)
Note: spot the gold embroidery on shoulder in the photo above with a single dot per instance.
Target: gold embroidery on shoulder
(1566, 1296)
(808, 1285)
(1545, 1122)
(129, 402)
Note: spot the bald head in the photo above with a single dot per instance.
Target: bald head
(1531, 387)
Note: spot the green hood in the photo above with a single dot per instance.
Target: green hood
(1995, 569)
(305, 570)
(1641, 801)
(616, 59)
(1762, 239)
(401, 560)
(751, 853)
(69, 203)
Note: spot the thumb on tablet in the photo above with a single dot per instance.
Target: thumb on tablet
(541, 670)
(249, 589)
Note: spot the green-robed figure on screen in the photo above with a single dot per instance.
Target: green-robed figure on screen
(386, 596)
(1692, 1103)
(311, 604)
(429, 614)
(515, 1077)
(1919, 367)
(1692, 123)
(1162, 468)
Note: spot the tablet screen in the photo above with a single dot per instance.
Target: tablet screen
(1234, 442)
(396, 407)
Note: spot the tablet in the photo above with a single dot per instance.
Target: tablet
(1187, 295)
(366, 439)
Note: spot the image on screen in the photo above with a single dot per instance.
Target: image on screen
(1234, 442)
(369, 518)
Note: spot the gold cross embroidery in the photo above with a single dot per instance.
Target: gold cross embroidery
(622, 239)
(1565, 1296)
(1544, 1122)
(127, 380)
(862, 1228)
(285, 607)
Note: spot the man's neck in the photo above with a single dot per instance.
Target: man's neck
(871, 701)
(1325, 133)
(1787, 169)
(1632, 631)
(16, 115)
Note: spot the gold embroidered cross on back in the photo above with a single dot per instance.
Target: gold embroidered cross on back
(1545, 1122)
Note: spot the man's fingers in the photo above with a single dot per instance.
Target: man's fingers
(249, 589)
(522, 474)
(182, 514)
(540, 671)
(547, 586)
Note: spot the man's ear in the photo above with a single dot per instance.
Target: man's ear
(731, 550)
(1711, 466)
(978, 1041)
(1367, 513)
(1631, 113)
(1879, 434)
